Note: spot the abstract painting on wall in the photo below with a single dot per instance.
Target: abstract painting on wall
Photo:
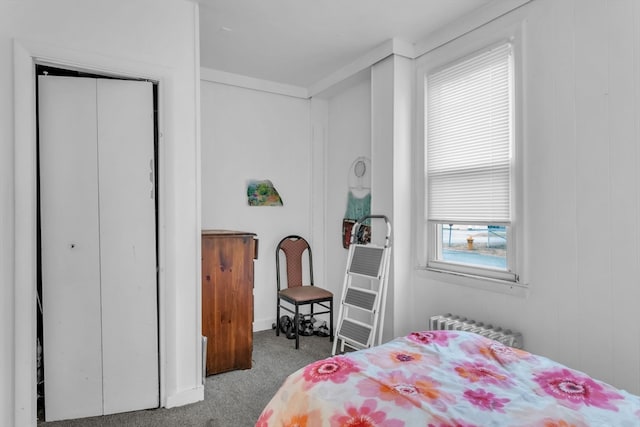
(262, 193)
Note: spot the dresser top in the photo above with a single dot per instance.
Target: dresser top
(226, 233)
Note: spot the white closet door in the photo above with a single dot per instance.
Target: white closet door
(70, 247)
(99, 289)
(127, 244)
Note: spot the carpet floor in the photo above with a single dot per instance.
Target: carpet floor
(231, 399)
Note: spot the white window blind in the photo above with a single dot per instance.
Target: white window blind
(469, 139)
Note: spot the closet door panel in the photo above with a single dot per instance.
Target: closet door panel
(70, 252)
(127, 245)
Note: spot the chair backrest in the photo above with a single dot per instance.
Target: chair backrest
(294, 247)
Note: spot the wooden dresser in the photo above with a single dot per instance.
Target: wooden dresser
(227, 298)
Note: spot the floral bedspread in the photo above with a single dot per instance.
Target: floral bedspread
(446, 378)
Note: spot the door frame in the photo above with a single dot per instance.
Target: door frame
(26, 55)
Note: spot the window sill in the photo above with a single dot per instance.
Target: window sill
(476, 282)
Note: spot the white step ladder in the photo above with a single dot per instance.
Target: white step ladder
(364, 291)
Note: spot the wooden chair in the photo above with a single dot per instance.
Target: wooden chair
(294, 292)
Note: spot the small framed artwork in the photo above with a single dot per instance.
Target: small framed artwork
(262, 193)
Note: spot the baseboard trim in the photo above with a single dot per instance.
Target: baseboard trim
(185, 397)
(263, 324)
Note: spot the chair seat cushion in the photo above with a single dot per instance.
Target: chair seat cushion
(300, 294)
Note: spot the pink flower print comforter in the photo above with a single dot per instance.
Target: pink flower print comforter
(446, 378)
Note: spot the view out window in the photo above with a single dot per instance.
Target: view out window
(469, 165)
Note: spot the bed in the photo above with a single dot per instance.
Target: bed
(446, 378)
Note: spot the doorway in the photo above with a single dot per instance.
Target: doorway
(95, 216)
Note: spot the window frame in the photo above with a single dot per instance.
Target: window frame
(451, 53)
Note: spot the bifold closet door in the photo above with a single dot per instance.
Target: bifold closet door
(98, 259)
(127, 246)
(70, 252)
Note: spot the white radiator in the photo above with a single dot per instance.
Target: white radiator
(458, 323)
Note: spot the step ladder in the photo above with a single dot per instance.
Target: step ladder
(364, 291)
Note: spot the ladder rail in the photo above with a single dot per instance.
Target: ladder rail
(385, 279)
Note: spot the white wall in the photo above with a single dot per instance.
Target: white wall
(252, 134)
(249, 133)
(392, 118)
(152, 38)
(349, 137)
(582, 194)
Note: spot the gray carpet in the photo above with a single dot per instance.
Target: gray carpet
(232, 399)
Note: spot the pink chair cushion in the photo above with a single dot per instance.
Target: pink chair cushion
(306, 293)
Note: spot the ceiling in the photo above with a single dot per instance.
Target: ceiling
(300, 42)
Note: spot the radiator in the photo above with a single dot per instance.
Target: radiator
(458, 323)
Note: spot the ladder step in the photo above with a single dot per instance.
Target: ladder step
(366, 261)
(360, 298)
(355, 332)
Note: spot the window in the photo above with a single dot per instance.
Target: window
(469, 165)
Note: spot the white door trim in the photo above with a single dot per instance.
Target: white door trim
(26, 55)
